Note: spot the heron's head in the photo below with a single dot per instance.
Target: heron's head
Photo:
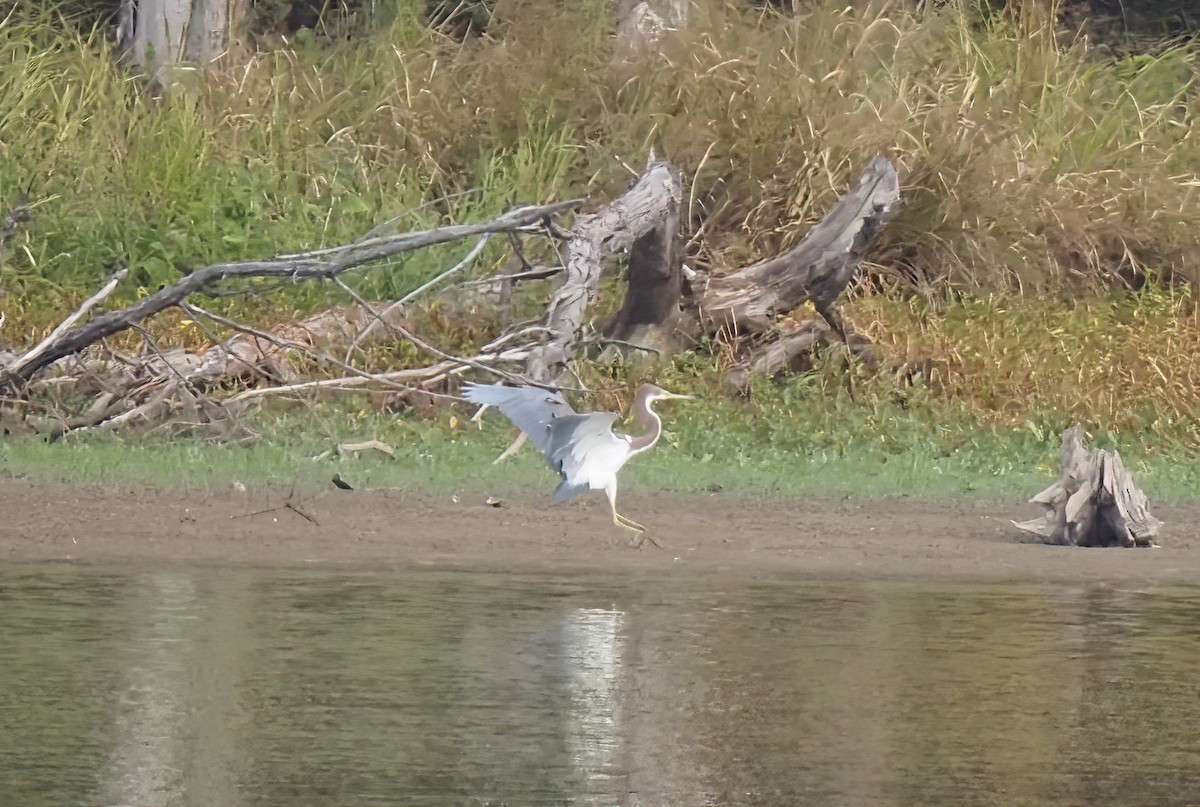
(650, 393)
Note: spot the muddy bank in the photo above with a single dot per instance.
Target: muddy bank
(701, 534)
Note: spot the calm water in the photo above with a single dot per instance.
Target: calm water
(267, 687)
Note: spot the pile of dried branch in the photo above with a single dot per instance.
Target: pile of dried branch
(665, 305)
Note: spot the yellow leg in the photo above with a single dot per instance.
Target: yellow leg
(627, 523)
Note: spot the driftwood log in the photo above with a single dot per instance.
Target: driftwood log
(1094, 503)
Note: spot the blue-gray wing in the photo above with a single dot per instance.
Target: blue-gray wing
(532, 409)
(584, 449)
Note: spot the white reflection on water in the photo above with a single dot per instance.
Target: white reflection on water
(144, 769)
(592, 639)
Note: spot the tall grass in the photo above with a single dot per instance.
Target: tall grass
(1025, 159)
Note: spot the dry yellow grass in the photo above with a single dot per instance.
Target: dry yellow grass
(1122, 363)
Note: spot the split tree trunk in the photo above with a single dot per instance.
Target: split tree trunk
(749, 301)
(650, 313)
(651, 204)
(818, 268)
(1095, 503)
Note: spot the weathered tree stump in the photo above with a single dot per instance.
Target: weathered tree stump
(651, 310)
(642, 23)
(1095, 503)
(817, 269)
(750, 300)
(651, 204)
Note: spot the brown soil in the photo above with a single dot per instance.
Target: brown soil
(700, 534)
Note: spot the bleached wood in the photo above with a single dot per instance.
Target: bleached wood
(1095, 502)
(641, 24)
(17, 366)
(159, 34)
(748, 300)
(650, 313)
(327, 264)
(591, 241)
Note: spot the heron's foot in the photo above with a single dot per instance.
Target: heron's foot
(641, 538)
(627, 523)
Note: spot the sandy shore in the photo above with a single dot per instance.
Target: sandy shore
(700, 534)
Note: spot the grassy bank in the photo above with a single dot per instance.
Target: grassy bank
(1042, 182)
(786, 443)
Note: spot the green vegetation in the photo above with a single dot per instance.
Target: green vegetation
(787, 441)
(1042, 180)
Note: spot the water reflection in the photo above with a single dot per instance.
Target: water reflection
(149, 711)
(279, 688)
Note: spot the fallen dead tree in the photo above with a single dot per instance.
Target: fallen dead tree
(663, 300)
(1094, 503)
(323, 264)
(177, 385)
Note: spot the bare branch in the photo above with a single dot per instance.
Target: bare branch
(283, 343)
(205, 280)
(471, 256)
(417, 374)
(381, 318)
(430, 374)
(34, 356)
(192, 311)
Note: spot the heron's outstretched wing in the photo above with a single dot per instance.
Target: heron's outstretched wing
(532, 409)
(584, 449)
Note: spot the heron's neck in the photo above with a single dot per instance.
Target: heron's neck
(651, 430)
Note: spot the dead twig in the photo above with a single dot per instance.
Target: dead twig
(18, 366)
(282, 343)
(381, 317)
(192, 311)
(287, 505)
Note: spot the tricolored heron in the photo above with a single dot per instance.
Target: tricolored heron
(582, 447)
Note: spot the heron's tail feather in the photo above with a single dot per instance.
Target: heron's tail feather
(566, 490)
